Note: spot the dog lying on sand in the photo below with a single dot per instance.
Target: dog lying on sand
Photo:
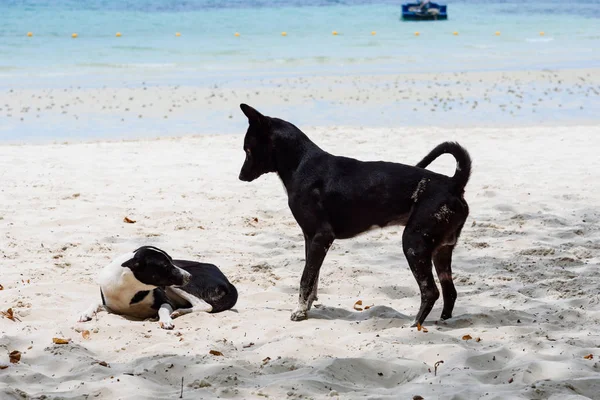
(148, 282)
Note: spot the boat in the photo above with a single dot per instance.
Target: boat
(426, 12)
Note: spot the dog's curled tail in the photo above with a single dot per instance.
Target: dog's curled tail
(463, 161)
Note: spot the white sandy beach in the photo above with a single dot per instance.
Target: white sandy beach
(526, 272)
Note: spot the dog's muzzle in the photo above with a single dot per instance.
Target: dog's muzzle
(187, 277)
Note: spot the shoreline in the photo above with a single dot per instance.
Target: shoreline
(493, 99)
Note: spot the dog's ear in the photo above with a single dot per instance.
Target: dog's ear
(132, 263)
(253, 115)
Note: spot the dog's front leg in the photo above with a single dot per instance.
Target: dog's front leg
(314, 294)
(198, 305)
(317, 247)
(164, 316)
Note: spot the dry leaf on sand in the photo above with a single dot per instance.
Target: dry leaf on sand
(589, 357)
(85, 334)
(467, 337)
(10, 315)
(357, 304)
(216, 353)
(128, 220)
(14, 356)
(60, 340)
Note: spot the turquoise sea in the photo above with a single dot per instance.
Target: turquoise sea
(193, 43)
(207, 46)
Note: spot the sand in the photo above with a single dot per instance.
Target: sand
(526, 272)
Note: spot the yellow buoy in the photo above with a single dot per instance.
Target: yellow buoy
(542, 33)
(118, 34)
(74, 35)
(373, 33)
(29, 34)
(497, 33)
(455, 33)
(417, 33)
(283, 33)
(334, 33)
(237, 34)
(177, 34)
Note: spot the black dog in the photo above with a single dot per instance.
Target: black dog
(338, 197)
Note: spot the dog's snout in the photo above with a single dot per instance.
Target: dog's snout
(187, 277)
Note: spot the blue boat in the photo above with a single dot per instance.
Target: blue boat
(424, 11)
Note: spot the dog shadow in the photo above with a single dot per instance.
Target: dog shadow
(336, 313)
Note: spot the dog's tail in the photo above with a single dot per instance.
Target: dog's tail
(463, 162)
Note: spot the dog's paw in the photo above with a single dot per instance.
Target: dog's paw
(299, 315)
(84, 318)
(176, 314)
(166, 325)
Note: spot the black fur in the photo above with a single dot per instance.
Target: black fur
(139, 296)
(334, 197)
(154, 266)
(209, 284)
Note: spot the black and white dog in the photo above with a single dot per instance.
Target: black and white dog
(334, 197)
(148, 282)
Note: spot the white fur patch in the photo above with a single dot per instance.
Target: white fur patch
(119, 285)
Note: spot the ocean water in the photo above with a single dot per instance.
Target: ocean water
(207, 48)
(207, 54)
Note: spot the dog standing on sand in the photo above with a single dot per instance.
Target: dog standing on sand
(334, 197)
(148, 282)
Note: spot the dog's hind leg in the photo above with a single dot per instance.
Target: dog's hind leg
(91, 311)
(317, 247)
(198, 305)
(442, 259)
(418, 252)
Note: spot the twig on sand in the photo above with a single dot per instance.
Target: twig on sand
(435, 366)
(181, 395)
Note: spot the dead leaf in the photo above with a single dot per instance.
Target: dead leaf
(10, 315)
(60, 341)
(248, 345)
(1, 287)
(358, 303)
(367, 307)
(417, 397)
(478, 340)
(510, 380)
(128, 220)
(589, 357)
(85, 334)
(3, 366)
(266, 360)
(14, 356)
(467, 337)
(216, 353)
(104, 364)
